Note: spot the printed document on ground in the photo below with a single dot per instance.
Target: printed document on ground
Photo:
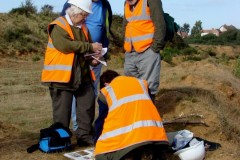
(85, 154)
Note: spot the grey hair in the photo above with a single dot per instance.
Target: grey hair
(73, 10)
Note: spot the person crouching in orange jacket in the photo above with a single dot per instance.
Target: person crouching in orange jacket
(129, 124)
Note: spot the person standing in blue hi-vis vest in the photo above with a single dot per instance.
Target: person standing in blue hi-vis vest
(98, 24)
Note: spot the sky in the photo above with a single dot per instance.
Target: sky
(212, 13)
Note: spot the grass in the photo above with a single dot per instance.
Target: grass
(236, 70)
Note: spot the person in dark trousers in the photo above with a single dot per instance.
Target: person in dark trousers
(99, 26)
(67, 72)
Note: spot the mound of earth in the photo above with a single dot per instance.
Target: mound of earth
(203, 97)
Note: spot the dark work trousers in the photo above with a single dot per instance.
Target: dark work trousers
(85, 108)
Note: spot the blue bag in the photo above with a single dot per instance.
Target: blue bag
(56, 138)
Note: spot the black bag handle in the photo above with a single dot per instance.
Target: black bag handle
(33, 148)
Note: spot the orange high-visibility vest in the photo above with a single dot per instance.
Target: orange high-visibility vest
(132, 117)
(139, 31)
(57, 65)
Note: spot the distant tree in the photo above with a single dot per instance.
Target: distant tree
(196, 28)
(18, 10)
(185, 28)
(231, 35)
(29, 7)
(26, 8)
(47, 10)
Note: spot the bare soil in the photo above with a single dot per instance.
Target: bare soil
(205, 88)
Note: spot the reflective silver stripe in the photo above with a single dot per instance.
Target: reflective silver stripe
(127, 100)
(143, 86)
(61, 20)
(144, 8)
(139, 38)
(57, 67)
(111, 93)
(117, 103)
(50, 45)
(136, 18)
(129, 128)
(127, 39)
(144, 37)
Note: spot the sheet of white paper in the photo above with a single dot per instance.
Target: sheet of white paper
(104, 51)
(86, 154)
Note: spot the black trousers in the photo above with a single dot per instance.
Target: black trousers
(85, 108)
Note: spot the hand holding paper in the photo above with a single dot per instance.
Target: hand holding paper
(103, 52)
(97, 47)
(96, 56)
(103, 62)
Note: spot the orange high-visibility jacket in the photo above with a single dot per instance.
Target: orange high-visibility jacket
(57, 65)
(132, 117)
(139, 31)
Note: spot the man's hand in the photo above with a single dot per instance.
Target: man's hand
(97, 47)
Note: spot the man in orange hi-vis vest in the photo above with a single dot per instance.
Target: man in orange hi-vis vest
(129, 124)
(145, 31)
(66, 69)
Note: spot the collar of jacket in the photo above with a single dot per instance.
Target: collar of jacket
(70, 21)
